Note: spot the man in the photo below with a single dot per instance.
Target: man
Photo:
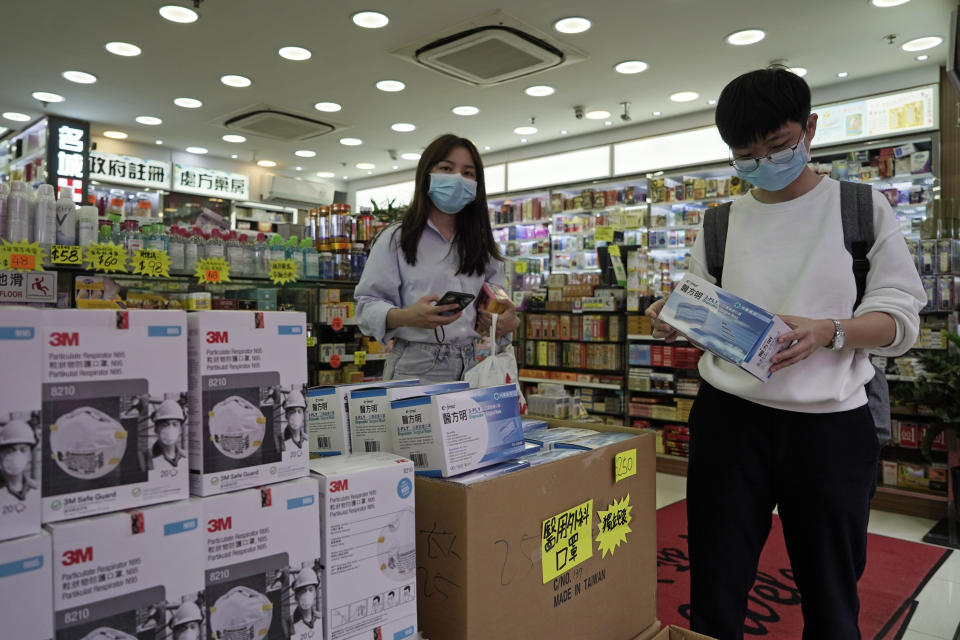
(295, 408)
(804, 441)
(305, 593)
(17, 441)
(168, 425)
(186, 622)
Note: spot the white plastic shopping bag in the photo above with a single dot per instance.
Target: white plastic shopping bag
(497, 368)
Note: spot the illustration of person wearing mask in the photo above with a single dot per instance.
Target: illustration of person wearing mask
(377, 604)
(295, 408)
(186, 622)
(17, 441)
(305, 592)
(168, 424)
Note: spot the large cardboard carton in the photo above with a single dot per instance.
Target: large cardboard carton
(138, 573)
(248, 378)
(20, 422)
(26, 575)
(678, 633)
(114, 404)
(263, 568)
(534, 553)
(367, 529)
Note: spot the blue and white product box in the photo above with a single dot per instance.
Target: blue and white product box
(595, 441)
(368, 537)
(20, 422)
(369, 408)
(328, 415)
(262, 564)
(26, 576)
(497, 470)
(132, 574)
(530, 424)
(452, 433)
(725, 325)
(550, 437)
(549, 455)
(114, 406)
(248, 408)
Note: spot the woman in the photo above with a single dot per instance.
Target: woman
(444, 243)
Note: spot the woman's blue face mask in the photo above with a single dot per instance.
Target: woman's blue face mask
(451, 192)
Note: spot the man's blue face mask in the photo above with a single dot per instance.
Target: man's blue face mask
(776, 170)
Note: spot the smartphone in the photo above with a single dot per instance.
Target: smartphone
(458, 298)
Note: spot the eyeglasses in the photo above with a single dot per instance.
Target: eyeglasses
(749, 164)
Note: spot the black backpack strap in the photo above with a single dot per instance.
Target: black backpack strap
(856, 212)
(716, 220)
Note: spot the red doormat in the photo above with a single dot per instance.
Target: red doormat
(896, 572)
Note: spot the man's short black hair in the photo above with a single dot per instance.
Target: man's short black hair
(756, 104)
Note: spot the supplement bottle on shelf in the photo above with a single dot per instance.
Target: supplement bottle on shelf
(175, 248)
(192, 249)
(294, 253)
(214, 247)
(259, 261)
(311, 260)
(86, 225)
(276, 250)
(234, 254)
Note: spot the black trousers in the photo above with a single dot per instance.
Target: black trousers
(820, 470)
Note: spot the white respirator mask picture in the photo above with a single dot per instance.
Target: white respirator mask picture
(396, 550)
(241, 614)
(237, 427)
(87, 443)
(106, 633)
(14, 462)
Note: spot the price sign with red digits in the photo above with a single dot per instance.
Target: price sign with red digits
(212, 271)
(337, 323)
(21, 256)
(335, 360)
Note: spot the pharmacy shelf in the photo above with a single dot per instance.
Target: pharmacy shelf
(596, 412)
(661, 394)
(910, 177)
(504, 225)
(572, 340)
(638, 337)
(371, 357)
(569, 383)
(670, 203)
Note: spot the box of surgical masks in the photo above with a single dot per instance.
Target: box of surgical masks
(725, 325)
(548, 438)
(368, 536)
(548, 455)
(248, 375)
(114, 410)
(453, 433)
(262, 562)
(20, 422)
(26, 572)
(328, 415)
(589, 443)
(487, 473)
(368, 410)
(132, 574)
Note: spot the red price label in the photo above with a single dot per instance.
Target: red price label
(335, 358)
(337, 324)
(212, 275)
(22, 261)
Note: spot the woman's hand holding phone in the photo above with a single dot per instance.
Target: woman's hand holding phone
(424, 314)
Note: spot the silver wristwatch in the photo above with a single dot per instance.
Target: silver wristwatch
(839, 337)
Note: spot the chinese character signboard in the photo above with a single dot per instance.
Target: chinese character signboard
(68, 151)
(28, 286)
(128, 170)
(211, 183)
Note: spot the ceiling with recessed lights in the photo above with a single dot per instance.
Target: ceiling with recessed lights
(172, 77)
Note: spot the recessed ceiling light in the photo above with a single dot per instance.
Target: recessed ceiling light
(16, 117)
(842, 74)
(888, 3)
(523, 140)
(369, 173)
(630, 66)
(539, 90)
(466, 110)
(396, 167)
(410, 156)
(391, 86)
(175, 13)
(234, 156)
(345, 178)
(80, 77)
(234, 138)
(684, 96)
(305, 153)
(486, 148)
(328, 107)
(188, 103)
(574, 24)
(370, 19)
(711, 101)
(123, 49)
(525, 131)
(657, 113)
(351, 142)
(325, 174)
(597, 114)
(403, 127)
(366, 165)
(745, 37)
(197, 150)
(116, 135)
(607, 123)
(46, 96)
(159, 141)
(266, 163)
(800, 71)
(921, 44)
(149, 120)
(294, 53)
(235, 81)
(563, 132)
(922, 57)
(298, 169)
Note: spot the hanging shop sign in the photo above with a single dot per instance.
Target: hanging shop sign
(68, 154)
(211, 183)
(129, 170)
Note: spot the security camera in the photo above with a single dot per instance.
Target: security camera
(625, 116)
(578, 113)
(393, 154)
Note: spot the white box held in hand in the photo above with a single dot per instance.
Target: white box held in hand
(263, 566)
(452, 433)
(132, 574)
(724, 324)
(368, 533)
(26, 574)
(20, 422)
(114, 410)
(248, 375)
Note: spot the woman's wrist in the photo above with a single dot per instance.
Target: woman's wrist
(396, 318)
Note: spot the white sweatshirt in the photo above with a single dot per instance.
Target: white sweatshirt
(789, 258)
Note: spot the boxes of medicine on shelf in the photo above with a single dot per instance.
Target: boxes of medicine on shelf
(908, 435)
(684, 406)
(661, 382)
(928, 477)
(25, 581)
(948, 256)
(114, 400)
(888, 473)
(931, 291)
(664, 412)
(248, 379)
(329, 296)
(130, 574)
(928, 256)
(639, 355)
(937, 444)
(553, 406)
(262, 562)
(948, 288)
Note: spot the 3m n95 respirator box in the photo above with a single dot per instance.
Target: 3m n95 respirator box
(26, 574)
(248, 375)
(369, 408)
(114, 410)
(132, 574)
(20, 423)
(263, 567)
(368, 536)
(452, 433)
(725, 325)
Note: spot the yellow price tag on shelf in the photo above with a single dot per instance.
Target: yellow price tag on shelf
(152, 262)
(212, 271)
(311, 341)
(283, 271)
(21, 256)
(106, 257)
(66, 254)
(565, 540)
(614, 250)
(360, 357)
(603, 234)
(613, 526)
(520, 267)
(625, 465)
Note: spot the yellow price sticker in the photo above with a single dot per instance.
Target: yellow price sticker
(106, 257)
(66, 254)
(613, 526)
(311, 341)
(520, 267)
(603, 234)
(359, 357)
(614, 250)
(283, 271)
(152, 262)
(21, 256)
(212, 271)
(565, 540)
(625, 465)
